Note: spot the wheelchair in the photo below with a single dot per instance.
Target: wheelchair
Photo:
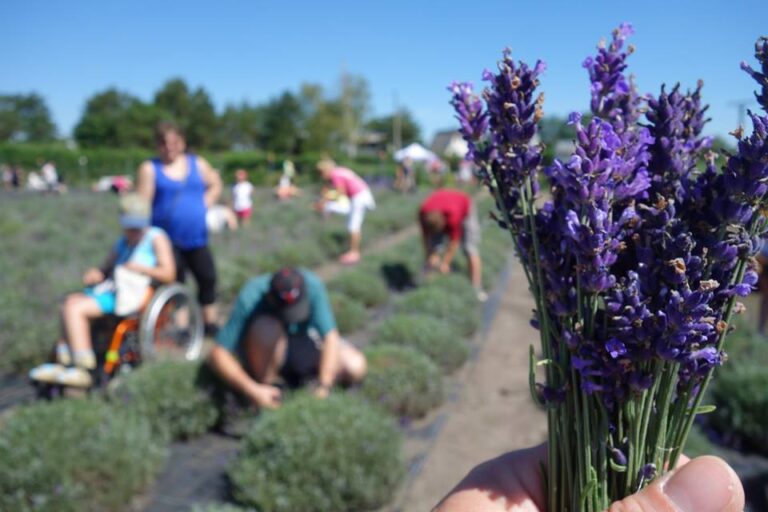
(168, 326)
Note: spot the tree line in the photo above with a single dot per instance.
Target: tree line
(310, 119)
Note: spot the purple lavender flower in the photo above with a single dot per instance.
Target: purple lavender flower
(676, 122)
(499, 135)
(761, 54)
(613, 95)
(615, 348)
(635, 262)
(513, 114)
(473, 120)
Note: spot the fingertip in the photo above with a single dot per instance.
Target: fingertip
(704, 484)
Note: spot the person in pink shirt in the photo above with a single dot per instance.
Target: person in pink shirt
(347, 184)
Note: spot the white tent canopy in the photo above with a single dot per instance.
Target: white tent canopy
(415, 152)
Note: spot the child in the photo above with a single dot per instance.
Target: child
(143, 249)
(285, 189)
(242, 197)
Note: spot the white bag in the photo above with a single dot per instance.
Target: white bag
(131, 290)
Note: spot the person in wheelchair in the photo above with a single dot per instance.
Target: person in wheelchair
(141, 249)
(282, 329)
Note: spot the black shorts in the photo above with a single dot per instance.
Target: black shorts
(199, 261)
(302, 360)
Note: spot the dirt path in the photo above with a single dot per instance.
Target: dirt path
(328, 270)
(492, 412)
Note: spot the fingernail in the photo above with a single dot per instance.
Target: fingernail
(703, 485)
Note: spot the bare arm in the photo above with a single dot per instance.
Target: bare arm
(329, 359)
(212, 181)
(226, 366)
(453, 245)
(165, 270)
(145, 181)
(95, 275)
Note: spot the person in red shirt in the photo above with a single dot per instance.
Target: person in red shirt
(451, 214)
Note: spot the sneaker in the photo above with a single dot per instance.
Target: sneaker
(63, 354)
(48, 373)
(75, 377)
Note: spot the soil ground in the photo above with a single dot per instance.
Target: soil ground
(491, 411)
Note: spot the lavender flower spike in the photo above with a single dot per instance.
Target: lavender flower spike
(473, 120)
(761, 54)
(613, 95)
(676, 122)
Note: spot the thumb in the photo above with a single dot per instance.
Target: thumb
(705, 484)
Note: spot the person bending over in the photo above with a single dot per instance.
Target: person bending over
(451, 214)
(346, 183)
(282, 328)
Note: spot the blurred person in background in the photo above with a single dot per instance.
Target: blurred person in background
(282, 329)
(242, 197)
(451, 214)
(141, 248)
(181, 187)
(285, 189)
(345, 182)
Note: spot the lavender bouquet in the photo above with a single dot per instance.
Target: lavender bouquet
(635, 262)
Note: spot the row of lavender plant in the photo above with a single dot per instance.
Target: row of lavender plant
(634, 264)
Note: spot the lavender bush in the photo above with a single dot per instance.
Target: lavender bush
(635, 262)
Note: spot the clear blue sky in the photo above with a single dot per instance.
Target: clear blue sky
(253, 51)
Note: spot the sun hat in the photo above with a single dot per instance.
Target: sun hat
(134, 211)
(288, 293)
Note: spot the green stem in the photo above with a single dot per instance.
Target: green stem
(691, 415)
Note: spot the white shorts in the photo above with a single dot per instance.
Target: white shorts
(354, 207)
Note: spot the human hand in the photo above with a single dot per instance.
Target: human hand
(433, 262)
(513, 482)
(322, 391)
(266, 396)
(93, 276)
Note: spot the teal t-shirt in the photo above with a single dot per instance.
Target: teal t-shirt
(252, 301)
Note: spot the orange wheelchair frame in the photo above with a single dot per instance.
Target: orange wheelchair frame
(146, 331)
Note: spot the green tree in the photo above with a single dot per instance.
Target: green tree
(410, 131)
(552, 129)
(25, 118)
(322, 119)
(110, 119)
(193, 111)
(241, 127)
(283, 123)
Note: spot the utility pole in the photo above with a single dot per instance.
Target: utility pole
(397, 125)
(741, 105)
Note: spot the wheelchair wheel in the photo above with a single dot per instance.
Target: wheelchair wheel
(171, 326)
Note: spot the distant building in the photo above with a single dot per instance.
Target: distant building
(370, 143)
(449, 144)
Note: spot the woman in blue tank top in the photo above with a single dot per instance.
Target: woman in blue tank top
(181, 187)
